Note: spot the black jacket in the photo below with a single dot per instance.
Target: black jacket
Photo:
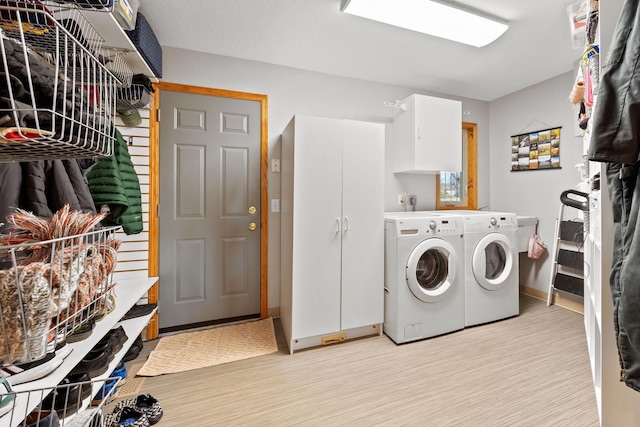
(43, 187)
(616, 117)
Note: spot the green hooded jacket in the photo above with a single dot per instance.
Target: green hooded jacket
(115, 188)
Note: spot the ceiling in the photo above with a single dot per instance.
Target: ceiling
(314, 35)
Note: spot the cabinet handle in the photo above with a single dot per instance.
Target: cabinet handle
(346, 224)
(337, 225)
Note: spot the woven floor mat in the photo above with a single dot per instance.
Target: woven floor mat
(194, 350)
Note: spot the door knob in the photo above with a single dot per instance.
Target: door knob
(252, 210)
(252, 226)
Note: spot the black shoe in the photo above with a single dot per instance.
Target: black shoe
(127, 416)
(83, 378)
(115, 339)
(139, 310)
(144, 403)
(134, 350)
(93, 364)
(66, 398)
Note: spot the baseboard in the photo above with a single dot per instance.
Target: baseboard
(558, 299)
(273, 312)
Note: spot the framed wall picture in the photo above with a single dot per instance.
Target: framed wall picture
(536, 150)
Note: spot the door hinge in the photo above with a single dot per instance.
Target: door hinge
(158, 115)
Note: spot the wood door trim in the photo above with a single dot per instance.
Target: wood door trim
(472, 171)
(154, 186)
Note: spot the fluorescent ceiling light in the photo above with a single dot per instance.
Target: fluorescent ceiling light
(429, 17)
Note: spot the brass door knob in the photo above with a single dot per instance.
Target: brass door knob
(252, 210)
(252, 226)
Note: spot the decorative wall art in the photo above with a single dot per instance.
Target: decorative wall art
(536, 150)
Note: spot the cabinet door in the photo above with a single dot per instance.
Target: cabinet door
(438, 134)
(363, 217)
(317, 226)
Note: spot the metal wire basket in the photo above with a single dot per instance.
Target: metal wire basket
(58, 84)
(49, 289)
(80, 404)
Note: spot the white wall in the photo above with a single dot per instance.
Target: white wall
(292, 91)
(536, 193)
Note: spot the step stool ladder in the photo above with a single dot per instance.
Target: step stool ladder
(568, 246)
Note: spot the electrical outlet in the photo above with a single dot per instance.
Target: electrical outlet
(275, 205)
(275, 165)
(401, 197)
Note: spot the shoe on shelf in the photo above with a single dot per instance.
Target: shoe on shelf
(84, 379)
(120, 372)
(134, 350)
(40, 418)
(126, 416)
(144, 403)
(139, 310)
(107, 391)
(81, 332)
(115, 339)
(66, 399)
(7, 396)
(93, 364)
(25, 372)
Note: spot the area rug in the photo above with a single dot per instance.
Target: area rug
(224, 344)
(133, 383)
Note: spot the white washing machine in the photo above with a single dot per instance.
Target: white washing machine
(491, 266)
(424, 277)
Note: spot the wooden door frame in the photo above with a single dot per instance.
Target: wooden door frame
(471, 130)
(154, 186)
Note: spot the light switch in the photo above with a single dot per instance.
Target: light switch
(275, 205)
(275, 165)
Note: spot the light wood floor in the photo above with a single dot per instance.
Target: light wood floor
(530, 370)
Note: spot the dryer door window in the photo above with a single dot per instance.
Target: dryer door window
(431, 269)
(492, 261)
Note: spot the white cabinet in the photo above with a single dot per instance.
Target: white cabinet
(428, 135)
(332, 213)
(618, 404)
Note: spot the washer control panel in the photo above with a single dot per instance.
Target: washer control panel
(445, 226)
(504, 222)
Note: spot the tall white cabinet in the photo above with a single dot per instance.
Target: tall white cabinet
(618, 405)
(332, 213)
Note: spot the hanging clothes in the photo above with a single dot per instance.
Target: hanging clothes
(43, 187)
(115, 188)
(615, 139)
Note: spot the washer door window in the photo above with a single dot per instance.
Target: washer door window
(492, 261)
(431, 270)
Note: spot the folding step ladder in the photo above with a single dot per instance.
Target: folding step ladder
(568, 247)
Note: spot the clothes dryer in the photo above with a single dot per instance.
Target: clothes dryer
(424, 277)
(491, 266)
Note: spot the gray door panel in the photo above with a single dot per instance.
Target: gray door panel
(209, 180)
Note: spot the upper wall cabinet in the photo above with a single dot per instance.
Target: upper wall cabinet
(428, 135)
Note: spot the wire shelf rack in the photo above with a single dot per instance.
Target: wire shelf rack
(48, 289)
(78, 404)
(58, 84)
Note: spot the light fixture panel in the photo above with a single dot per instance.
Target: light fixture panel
(429, 17)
